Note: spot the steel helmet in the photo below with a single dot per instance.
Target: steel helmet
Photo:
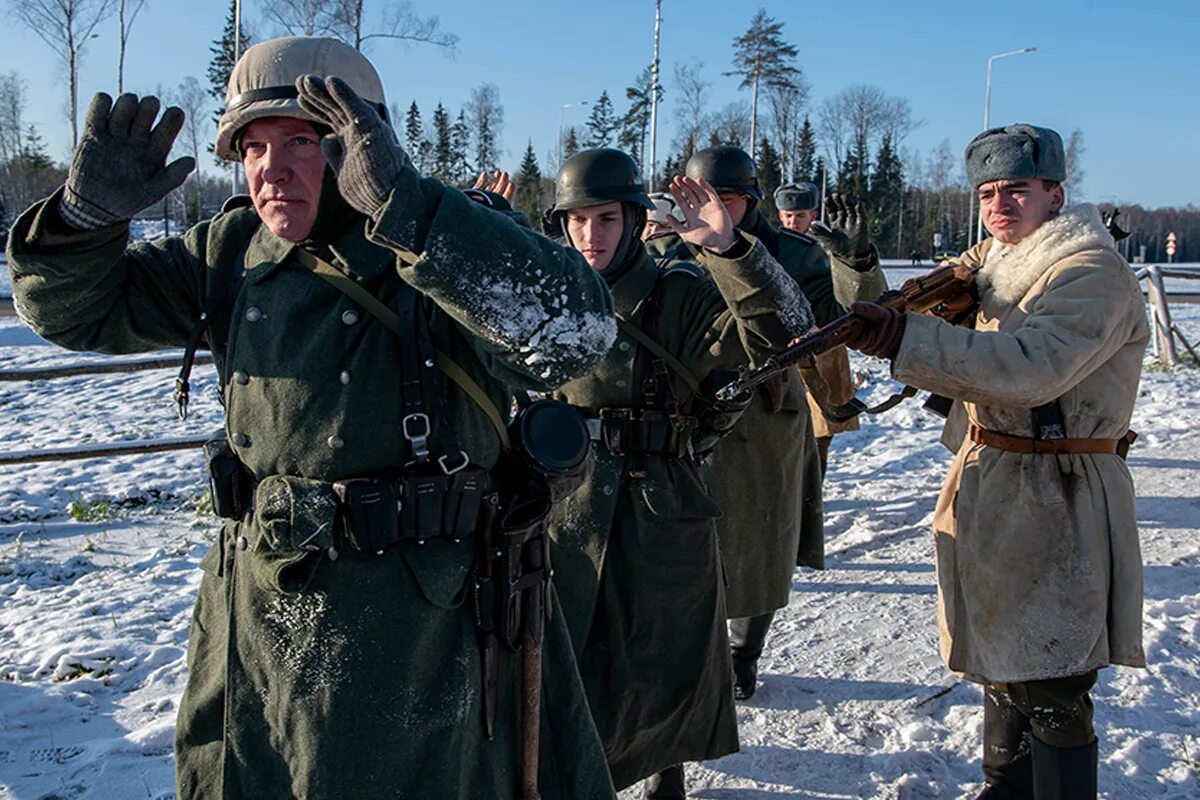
(263, 82)
(599, 176)
(727, 168)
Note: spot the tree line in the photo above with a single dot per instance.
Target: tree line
(852, 141)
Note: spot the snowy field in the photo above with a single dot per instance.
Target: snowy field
(98, 571)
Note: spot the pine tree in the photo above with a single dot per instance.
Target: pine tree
(414, 136)
(570, 143)
(804, 165)
(602, 123)
(221, 65)
(528, 195)
(460, 145)
(762, 57)
(636, 121)
(852, 173)
(885, 197)
(671, 167)
(770, 175)
(443, 148)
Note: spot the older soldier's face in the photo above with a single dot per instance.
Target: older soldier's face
(596, 232)
(1013, 209)
(285, 169)
(798, 221)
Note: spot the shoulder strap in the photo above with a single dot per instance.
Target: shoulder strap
(224, 287)
(677, 366)
(380, 311)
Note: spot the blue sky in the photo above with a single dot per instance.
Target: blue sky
(1124, 73)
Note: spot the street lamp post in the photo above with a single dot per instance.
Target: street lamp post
(561, 112)
(987, 110)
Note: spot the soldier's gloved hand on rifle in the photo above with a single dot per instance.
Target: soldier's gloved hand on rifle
(120, 165)
(845, 235)
(882, 330)
(362, 149)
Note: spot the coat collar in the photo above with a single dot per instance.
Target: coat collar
(351, 250)
(632, 288)
(1009, 271)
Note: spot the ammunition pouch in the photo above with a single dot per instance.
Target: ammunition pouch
(229, 482)
(376, 514)
(626, 431)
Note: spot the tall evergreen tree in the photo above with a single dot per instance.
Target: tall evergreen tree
(414, 135)
(770, 175)
(570, 143)
(486, 117)
(852, 173)
(635, 123)
(804, 165)
(885, 198)
(601, 123)
(528, 195)
(460, 144)
(224, 57)
(762, 57)
(443, 146)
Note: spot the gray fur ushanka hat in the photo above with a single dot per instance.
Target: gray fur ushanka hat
(1016, 152)
(797, 197)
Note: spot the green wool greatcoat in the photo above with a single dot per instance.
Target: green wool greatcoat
(637, 563)
(357, 677)
(766, 475)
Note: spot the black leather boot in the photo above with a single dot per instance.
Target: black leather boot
(1007, 761)
(1064, 773)
(747, 636)
(666, 785)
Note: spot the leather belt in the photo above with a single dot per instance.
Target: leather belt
(642, 430)
(1053, 447)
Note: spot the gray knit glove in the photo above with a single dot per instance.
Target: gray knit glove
(363, 149)
(845, 236)
(119, 166)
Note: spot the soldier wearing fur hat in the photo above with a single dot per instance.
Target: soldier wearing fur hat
(1039, 568)
(766, 475)
(337, 648)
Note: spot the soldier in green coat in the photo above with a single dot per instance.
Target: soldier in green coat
(333, 652)
(766, 476)
(637, 563)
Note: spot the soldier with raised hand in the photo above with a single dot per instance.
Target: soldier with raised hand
(766, 476)
(336, 648)
(1039, 568)
(798, 205)
(637, 562)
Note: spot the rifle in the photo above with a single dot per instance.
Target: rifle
(946, 291)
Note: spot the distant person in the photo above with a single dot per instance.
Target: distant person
(916, 258)
(1039, 567)
(798, 205)
(339, 645)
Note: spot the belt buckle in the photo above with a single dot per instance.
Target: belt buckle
(416, 429)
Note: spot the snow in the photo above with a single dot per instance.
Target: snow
(853, 702)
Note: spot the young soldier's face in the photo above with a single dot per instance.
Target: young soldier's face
(798, 221)
(1014, 209)
(596, 232)
(285, 169)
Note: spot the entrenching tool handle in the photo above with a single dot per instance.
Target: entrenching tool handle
(531, 714)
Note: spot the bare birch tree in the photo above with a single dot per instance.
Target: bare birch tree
(66, 26)
(127, 12)
(345, 19)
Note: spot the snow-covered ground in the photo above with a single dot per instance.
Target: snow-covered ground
(98, 573)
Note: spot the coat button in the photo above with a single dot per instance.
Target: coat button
(623, 347)
(608, 490)
(254, 314)
(345, 378)
(350, 316)
(335, 442)
(242, 543)
(241, 440)
(621, 383)
(241, 378)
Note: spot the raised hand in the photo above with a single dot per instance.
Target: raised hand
(119, 166)
(498, 182)
(363, 150)
(845, 235)
(706, 222)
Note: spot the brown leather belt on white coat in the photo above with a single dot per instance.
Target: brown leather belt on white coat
(1051, 447)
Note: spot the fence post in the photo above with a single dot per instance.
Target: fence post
(1164, 343)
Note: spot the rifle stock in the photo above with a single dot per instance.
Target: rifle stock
(944, 291)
